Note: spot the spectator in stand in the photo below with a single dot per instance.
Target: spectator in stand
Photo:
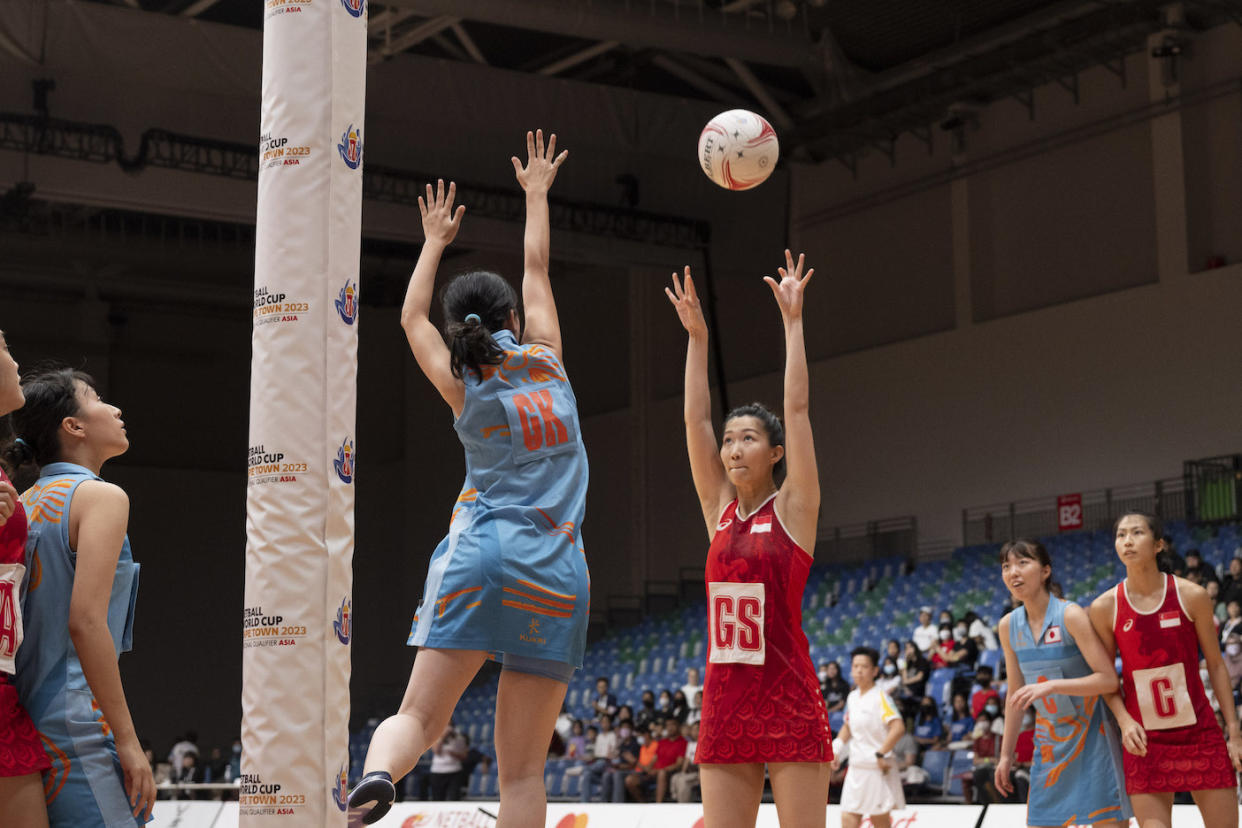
(980, 632)
(215, 767)
(418, 784)
(928, 729)
(605, 702)
(983, 691)
(234, 771)
(961, 722)
(1196, 566)
(576, 746)
(946, 617)
(564, 725)
(664, 707)
(906, 754)
(628, 750)
(924, 635)
(1233, 619)
(188, 743)
(833, 687)
(939, 654)
(588, 754)
(685, 778)
(1168, 560)
(188, 773)
(604, 752)
(1020, 773)
(1232, 656)
(1219, 613)
(893, 650)
(692, 688)
(696, 709)
(984, 744)
(965, 651)
(446, 758)
(1231, 586)
(890, 678)
(913, 679)
(681, 707)
(669, 750)
(624, 714)
(647, 712)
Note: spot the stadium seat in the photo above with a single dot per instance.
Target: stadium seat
(993, 659)
(936, 763)
(963, 761)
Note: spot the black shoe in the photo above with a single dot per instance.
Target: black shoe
(371, 799)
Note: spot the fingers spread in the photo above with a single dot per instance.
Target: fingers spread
(539, 143)
(551, 144)
(530, 144)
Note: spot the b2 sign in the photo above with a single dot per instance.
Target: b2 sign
(1069, 512)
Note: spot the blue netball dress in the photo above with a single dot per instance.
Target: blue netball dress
(1076, 772)
(85, 787)
(511, 576)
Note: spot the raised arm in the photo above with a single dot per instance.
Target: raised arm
(710, 482)
(798, 500)
(98, 519)
(542, 325)
(440, 226)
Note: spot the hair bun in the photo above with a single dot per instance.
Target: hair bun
(21, 451)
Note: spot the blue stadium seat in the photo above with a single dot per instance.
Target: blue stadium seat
(936, 763)
(836, 720)
(963, 762)
(993, 659)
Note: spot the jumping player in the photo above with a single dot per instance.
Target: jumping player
(1159, 623)
(511, 577)
(22, 759)
(761, 699)
(78, 610)
(1055, 661)
(873, 727)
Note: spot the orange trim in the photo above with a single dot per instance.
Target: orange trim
(443, 602)
(52, 786)
(1095, 814)
(539, 610)
(472, 606)
(549, 591)
(36, 571)
(548, 601)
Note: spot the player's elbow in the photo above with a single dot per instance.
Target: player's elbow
(83, 624)
(1111, 683)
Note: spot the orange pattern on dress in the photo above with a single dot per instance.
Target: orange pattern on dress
(54, 778)
(551, 592)
(527, 607)
(548, 601)
(443, 603)
(1078, 735)
(47, 503)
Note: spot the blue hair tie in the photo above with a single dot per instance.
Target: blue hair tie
(473, 317)
(20, 442)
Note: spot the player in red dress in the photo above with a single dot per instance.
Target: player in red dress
(1159, 624)
(22, 759)
(761, 700)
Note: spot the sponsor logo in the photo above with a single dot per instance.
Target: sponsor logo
(1126, 627)
(343, 626)
(1172, 618)
(347, 302)
(276, 151)
(262, 628)
(257, 798)
(271, 466)
(724, 524)
(339, 793)
(344, 462)
(532, 636)
(275, 307)
(350, 147)
(356, 8)
(1053, 636)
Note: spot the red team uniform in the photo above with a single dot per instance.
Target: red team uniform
(21, 751)
(1164, 693)
(761, 699)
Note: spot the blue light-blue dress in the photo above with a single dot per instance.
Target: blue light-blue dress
(85, 787)
(1076, 772)
(511, 575)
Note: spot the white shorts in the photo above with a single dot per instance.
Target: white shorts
(872, 791)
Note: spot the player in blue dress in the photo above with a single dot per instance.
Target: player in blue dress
(1055, 661)
(78, 610)
(510, 579)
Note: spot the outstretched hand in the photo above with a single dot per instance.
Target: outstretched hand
(789, 290)
(541, 163)
(440, 221)
(685, 300)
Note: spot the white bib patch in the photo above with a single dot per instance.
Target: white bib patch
(736, 623)
(1164, 700)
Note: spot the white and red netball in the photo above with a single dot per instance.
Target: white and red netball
(738, 149)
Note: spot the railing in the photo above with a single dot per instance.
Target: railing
(1039, 516)
(860, 542)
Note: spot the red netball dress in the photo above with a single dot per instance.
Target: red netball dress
(1164, 693)
(21, 752)
(761, 699)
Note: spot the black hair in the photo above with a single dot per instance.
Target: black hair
(1164, 557)
(771, 425)
(1035, 551)
(869, 652)
(51, 393)
(489, 297)
(604, 679)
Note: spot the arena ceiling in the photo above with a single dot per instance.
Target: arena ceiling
(835, 76)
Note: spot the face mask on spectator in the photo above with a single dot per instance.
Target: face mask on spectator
(624, 732)
(890, 669)
(1233, 649)
(823, 674)
(959, 632)
(991, 709)
(945, 635)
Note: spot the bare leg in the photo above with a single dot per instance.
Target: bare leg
(21, 801)
(850, 820)
(882, 820)
(1218, 807)
(661, 784)
(437, 680)
(1108, 823)
(1153, 810)
(526, 709)
(731, 795)
(801, 793)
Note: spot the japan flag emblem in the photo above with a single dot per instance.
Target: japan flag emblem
(1053, 636)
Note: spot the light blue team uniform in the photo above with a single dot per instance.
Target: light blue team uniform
(511, 576)
(85, 786)
(1076, 773)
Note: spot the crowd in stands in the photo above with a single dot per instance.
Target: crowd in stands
(186, 765)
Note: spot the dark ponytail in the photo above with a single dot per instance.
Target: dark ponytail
(34, 434)
(476, 304)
